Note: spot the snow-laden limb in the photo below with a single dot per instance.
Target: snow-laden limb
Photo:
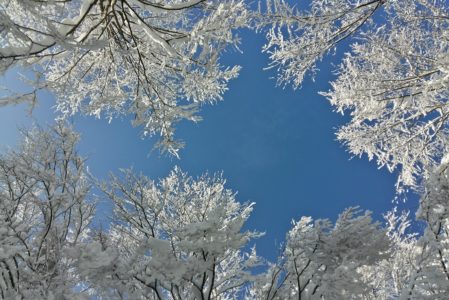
(393, 82)
(323, 261)
(179, 238)
(155, 60)
(44, 211)
(395, 86)
(299, 37)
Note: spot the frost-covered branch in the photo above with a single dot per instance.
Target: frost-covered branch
(393, 81)
(155, 60)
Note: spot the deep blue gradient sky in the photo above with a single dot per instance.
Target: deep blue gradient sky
(275, 146)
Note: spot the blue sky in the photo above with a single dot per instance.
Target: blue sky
(275, 146)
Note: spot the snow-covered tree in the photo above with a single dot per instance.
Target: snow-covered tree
(432, 274)
(324, 260)
(418, 265)
(155, 60)
(44, 212)
(393, 81)
(389, 277)
(178, 238)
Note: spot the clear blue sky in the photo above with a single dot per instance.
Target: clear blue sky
(275, 146)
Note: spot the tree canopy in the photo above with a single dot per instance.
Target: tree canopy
(182, 237)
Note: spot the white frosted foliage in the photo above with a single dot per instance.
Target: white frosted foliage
(393, 81)
(157, 61)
